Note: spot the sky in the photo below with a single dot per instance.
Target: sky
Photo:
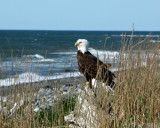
(103, 15)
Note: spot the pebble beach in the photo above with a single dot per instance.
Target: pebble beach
(42, 94)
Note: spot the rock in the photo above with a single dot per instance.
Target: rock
(47, 105)
(73, 126)
(47, 86)
(44, 98)
(50, 104)
(37, 103)
(53, 91)
(55, 98)
(38, 97)
(63, 89)
(88, 109)
(49, 97)
(4, 100)
(49, 92)
(5, 111)
(42, 106)
(77, 91)
(86, 113)
(70, 118)
(13, 109)
(70, 89)
(34, 99)
(36, 109)
(28, 98)
(41, 91)
(65, 94)
(17, 106)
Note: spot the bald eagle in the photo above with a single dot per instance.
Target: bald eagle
(91, 67)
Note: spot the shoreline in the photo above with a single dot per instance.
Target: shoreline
(35, 86)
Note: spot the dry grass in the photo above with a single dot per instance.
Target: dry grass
(135, 102)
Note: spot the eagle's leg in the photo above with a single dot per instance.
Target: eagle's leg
(89, 80)
(87, 83)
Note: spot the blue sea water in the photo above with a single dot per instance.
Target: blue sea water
(52, 54)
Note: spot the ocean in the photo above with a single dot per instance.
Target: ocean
(29, 56)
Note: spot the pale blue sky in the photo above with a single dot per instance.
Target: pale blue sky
(80, 14)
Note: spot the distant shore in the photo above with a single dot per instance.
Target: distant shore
(35, 86)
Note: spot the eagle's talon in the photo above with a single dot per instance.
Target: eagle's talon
(87, 83)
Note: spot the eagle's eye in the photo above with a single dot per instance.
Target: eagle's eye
(80, 42)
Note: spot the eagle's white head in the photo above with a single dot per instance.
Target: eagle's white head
(82, 45)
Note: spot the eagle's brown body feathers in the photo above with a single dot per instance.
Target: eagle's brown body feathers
(91, 67)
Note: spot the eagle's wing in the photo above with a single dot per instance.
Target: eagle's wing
(91, 67)
(88, 64)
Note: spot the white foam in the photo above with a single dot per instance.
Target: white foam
(153, 36)
(46, 60)
(101, 53)
(109, 54)
(39, 58)
(36, 56)
(22, 78)
(33, 77)
(121, 35)
(154, 41)
(65, 53)
(43, 60)
(65, 75)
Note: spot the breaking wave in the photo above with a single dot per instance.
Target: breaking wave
(154, 41)
(34, 56)
(33, 77)
(108, 54)
(65, 53)
(121, 35)
(44, 60)
(38, 58)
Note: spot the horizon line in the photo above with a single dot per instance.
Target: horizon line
(76, 30)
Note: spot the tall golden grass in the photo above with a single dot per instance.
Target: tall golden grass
(135, 102)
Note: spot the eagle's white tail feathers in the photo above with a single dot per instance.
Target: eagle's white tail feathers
(96, 83)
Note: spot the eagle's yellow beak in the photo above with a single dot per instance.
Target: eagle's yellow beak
(76, 44)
